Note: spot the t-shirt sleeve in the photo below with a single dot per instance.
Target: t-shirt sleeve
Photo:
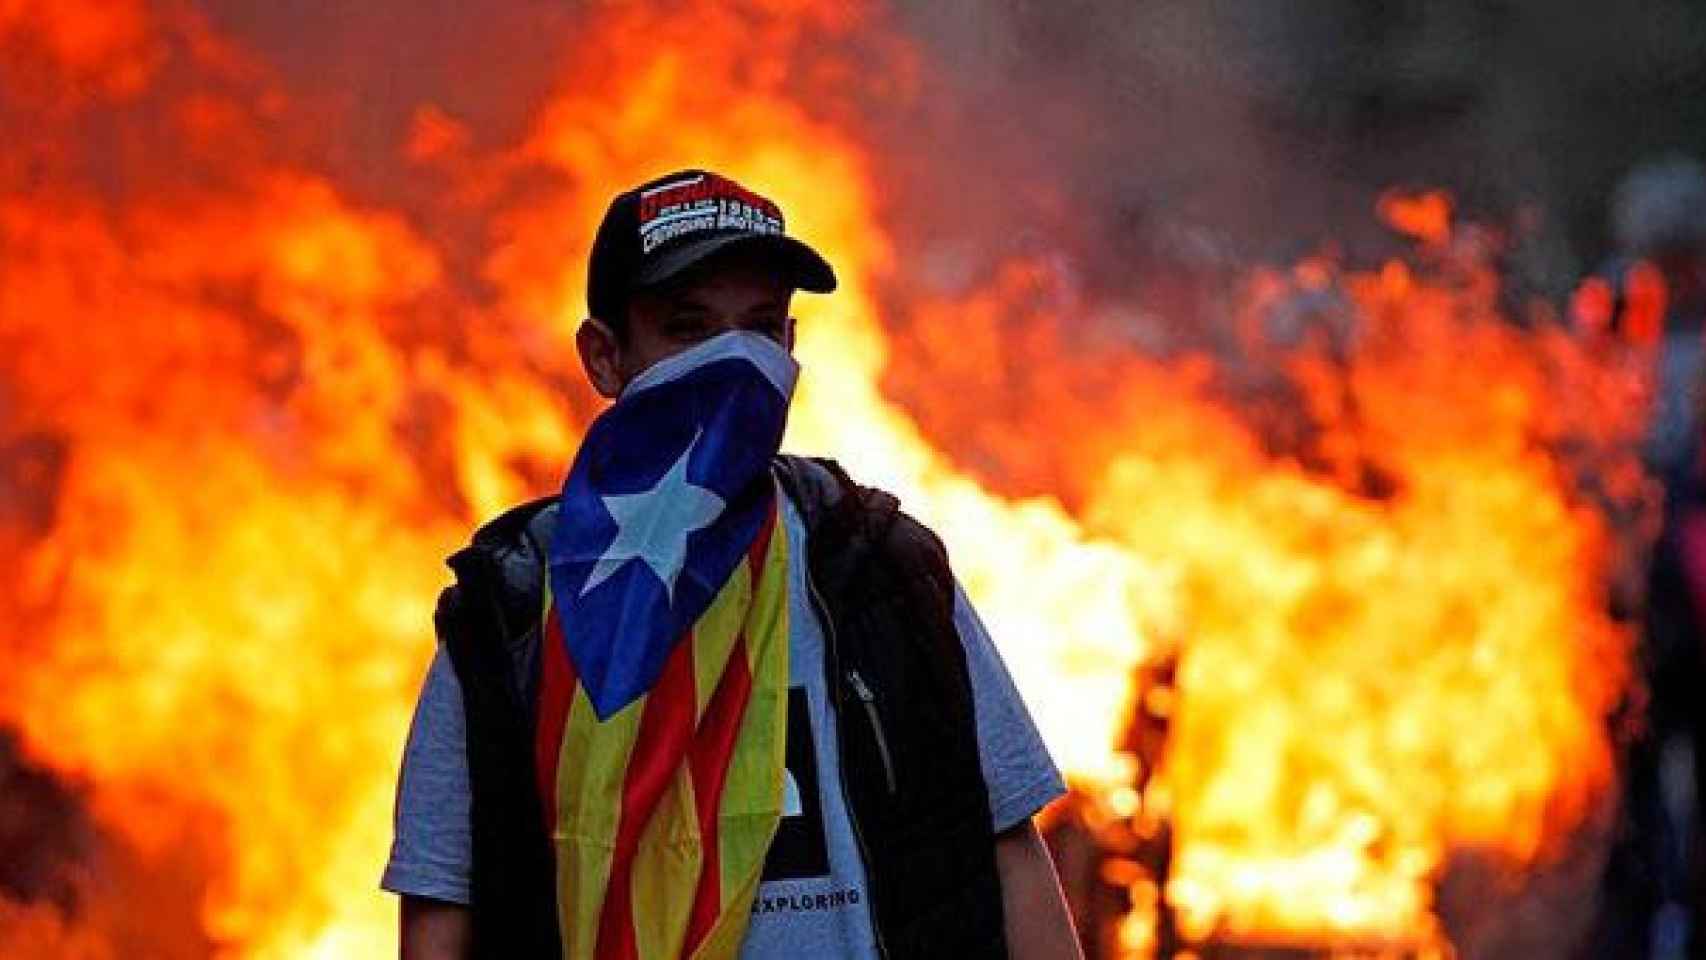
(1020, 774)
(432, 844)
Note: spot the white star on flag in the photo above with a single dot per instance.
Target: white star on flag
(653, 526)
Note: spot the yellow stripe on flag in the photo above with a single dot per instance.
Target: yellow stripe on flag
(715, 633)
(591, 769)
(666, 871)
(751, 804)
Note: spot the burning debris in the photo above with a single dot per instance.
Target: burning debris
(1356, 744)
(1316, 608)
(43, 835)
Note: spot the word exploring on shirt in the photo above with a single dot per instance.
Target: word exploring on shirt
(806, 902)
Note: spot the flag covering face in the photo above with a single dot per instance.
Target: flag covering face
(662, 716)
(669, 489)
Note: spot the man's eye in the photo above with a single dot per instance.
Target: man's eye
(688, 330)
(773, 327)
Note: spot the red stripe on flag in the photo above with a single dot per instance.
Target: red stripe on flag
(660, 747)
(761, 543)
(713, 746)
(556, 693)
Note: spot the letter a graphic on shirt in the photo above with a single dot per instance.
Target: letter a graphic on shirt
(800, 849)
(791, 806)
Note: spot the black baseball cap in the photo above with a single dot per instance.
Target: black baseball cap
(662, 227)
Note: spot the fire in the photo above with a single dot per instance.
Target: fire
(1426, 216)
(277, 406)
(1393, 644)
(1371, 682)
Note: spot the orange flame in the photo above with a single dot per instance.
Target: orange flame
(282, 407)
(1425, 216)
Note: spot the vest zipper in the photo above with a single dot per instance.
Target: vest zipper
(832, 664)
(869, 699)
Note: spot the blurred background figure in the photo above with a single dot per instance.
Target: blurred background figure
(1658, 283)
(1659, 218)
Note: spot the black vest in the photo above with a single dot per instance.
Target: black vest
(899, 684)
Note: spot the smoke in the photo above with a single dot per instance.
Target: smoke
(1138, 138)
(1260, 130)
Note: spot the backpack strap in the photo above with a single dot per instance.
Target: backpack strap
(846, 524)
(814, 484)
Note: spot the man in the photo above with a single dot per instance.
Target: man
(1657, 280)
(757, 716)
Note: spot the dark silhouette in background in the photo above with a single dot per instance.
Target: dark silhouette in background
(1653, 891)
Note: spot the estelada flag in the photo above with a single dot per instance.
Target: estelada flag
(663, 698)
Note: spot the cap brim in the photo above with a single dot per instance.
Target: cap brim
(804, 267)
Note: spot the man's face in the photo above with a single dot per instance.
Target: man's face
(734, 291)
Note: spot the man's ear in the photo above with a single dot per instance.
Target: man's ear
(788, 330)
(601, 356)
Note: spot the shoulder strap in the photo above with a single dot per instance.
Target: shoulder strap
(846, 523)
(814, 484)
(505, 565)
(871, 560)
